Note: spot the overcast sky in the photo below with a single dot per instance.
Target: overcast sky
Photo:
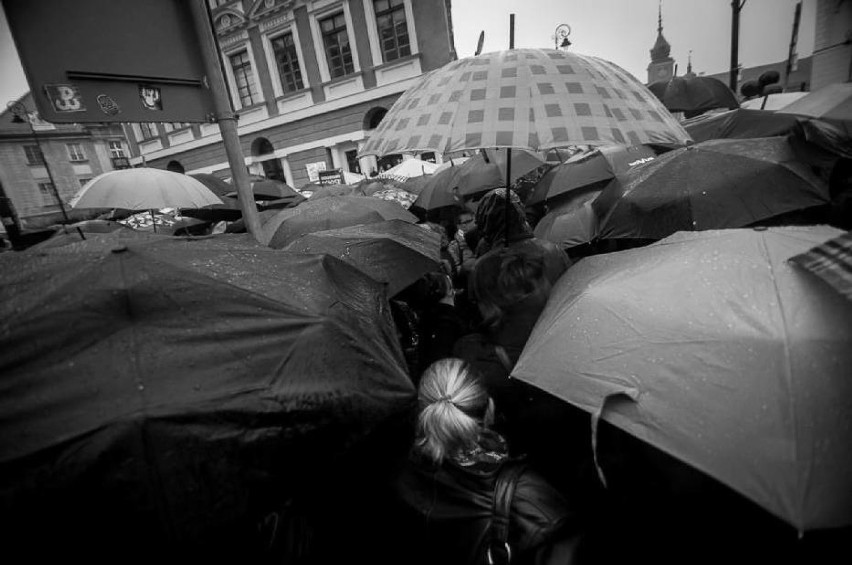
(621, 31)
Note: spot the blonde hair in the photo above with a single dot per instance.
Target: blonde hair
(454, 406)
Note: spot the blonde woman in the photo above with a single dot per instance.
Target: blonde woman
(449, 482)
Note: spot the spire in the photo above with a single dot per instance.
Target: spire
(661, 49)
(689, 73)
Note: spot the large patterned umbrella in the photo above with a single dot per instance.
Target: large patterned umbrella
(532, 99)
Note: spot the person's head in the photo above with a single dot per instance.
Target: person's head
(496, 222)
(454, 408)
(464, 220)
(504, 278)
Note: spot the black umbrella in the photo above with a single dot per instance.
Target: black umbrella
(165, 393)
(394, 252)
(694, 94)
(327, 214)
(583, 170)
(721, 183)
(740, 123)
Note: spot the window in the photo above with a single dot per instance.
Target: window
(46, 191)
(244, 79)
(172, 126)
(336, 43)
(75, 152)
(34, 155)
(149, 130)
(352, 162)
(83, 182)
(393, 29)
(115, 149)
(287, 60)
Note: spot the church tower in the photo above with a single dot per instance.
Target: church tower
(661, 67)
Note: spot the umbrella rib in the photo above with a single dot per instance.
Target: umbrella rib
(788, 377)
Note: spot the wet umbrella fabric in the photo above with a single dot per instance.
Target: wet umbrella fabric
(586, 169)
(327, 214)
(741, 123)
(169, 389)
(831, 261)
(712, 348)
(218, 186)
(474, 176)
(721, 183)
(533, 99)
(143, 189)
(571, 224)
(394, 252)
(694, 94)
(832, 103)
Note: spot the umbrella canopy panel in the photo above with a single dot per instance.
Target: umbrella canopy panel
(158, 389)
(712, 348)
(532, 99)
(589, 168)
(720, 183)
(695, 94)
(394, 252)
(832, 103)
(330, 213)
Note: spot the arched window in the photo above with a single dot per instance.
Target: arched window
(373, 117)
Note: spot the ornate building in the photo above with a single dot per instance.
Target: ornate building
(309, 80)
(661, 67)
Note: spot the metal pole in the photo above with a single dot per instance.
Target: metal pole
(509, 149)
(735, 40)
(225, 116)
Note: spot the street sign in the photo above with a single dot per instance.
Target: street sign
(111, 60)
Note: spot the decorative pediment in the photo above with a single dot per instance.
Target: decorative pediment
(264, 8)
(228, 21)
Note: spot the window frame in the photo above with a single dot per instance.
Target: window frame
(392, 11)
(46, 190)
(319, 45)
(247, 73)
(273, 63)
(375, 38)
(112, 150)
(34, 155)
(227, 53)
(150, 128)
(74, 153)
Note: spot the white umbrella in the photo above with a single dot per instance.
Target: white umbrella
(411, 168)
(143, 189)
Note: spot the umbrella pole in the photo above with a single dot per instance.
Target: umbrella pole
(153, 220)
(508, 193)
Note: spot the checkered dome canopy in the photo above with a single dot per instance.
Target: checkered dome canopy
(534, 99)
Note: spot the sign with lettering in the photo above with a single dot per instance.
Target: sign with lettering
(111, 60)
(334, 176)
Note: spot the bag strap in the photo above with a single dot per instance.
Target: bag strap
(499, 552)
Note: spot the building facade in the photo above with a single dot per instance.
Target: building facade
(309, 80)
(40, 160)
(832, 57)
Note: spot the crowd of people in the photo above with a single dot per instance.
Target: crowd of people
(463, 327)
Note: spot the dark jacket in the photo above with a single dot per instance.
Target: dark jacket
(450, 509)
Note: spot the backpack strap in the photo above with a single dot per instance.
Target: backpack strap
(499, 552)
